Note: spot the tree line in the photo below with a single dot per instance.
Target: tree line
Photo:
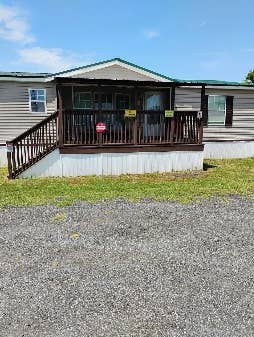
(250, 77)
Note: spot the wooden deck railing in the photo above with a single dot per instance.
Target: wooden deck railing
(149, 127)
(78, 128)
(32, 145)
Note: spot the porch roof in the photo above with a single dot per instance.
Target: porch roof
(131, 83)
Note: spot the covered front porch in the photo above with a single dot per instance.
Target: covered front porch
(134, 115)
(111, 127)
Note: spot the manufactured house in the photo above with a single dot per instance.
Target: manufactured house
(115, 117)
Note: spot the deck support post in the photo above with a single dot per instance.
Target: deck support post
(172, 107)
(60, 119)
(135, 122)
(202, 108)
(203, 103)
(172, 97)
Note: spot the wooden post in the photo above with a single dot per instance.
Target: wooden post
(99, 104)
(135, 124)
(203, 108)
(60, 119)
(200, 131)
(172, 107)
(100, 119)
(202, 102)
(172, 99)
(9, 156)
(172, 130)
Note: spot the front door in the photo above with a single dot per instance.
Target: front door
(154, 103)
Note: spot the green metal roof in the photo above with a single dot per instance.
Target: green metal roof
(45, 75)
(209, 82)
(23, 74)
(223, 83)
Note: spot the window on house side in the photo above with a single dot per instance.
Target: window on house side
(216, 109)
(37, 100)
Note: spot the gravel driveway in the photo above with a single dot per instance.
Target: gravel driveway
(128, 269)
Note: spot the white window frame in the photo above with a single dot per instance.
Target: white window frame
(42, 101)
(217, 124)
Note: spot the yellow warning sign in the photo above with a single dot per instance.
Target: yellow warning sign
(169, 113)
(130, 113)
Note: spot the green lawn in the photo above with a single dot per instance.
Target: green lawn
(221, 178)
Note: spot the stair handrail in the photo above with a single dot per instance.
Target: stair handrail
(15, 147)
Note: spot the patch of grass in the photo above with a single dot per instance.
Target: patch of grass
(75, 235)
(220, 177)
(59, 217)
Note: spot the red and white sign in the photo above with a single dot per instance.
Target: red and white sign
(100, 127)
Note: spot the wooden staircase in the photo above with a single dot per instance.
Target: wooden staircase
(32, 145)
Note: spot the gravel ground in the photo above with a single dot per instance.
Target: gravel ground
(128, 269)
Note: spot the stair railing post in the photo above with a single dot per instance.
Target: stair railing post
(9, 149)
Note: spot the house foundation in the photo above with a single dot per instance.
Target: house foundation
(228, 149)
(56, 164)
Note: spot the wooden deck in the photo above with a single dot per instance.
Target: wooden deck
(74, 131)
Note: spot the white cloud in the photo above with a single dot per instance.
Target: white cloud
(151, 34)
(53, 59)
(13, 25)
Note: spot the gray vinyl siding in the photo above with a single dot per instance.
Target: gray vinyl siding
(15, 116)
(187, 99)
(243, 114)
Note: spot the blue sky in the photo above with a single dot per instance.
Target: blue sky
(185, 39)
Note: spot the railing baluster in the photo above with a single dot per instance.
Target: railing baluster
(14, 160)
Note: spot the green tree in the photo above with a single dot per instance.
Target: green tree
(250, 77)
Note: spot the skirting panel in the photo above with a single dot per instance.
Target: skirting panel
(73, 165)
(3, 156)
(230, 149)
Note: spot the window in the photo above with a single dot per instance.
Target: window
(82, 100)
(122, 101)
(154, 101)
(216, 110)
(37, 100)
(106, 101)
